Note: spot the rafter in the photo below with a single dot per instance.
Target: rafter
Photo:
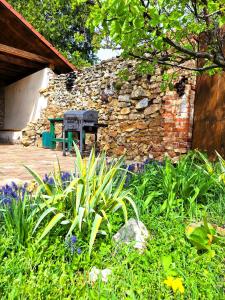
(17, 61)
(22, 54)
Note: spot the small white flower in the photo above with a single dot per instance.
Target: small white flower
(96, 273)
(93, 275)
(105, 274)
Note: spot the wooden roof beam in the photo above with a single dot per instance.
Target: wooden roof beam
(23, 54)
(16, 61)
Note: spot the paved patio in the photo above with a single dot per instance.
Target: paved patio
(14, 157)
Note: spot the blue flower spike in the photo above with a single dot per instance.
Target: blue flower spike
(73, 239)
(79, 251)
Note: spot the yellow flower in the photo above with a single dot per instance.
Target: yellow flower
(169, 281)
(31, 187)
(210, 238)
(176, 284)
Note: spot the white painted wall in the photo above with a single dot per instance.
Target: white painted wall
(23, 101)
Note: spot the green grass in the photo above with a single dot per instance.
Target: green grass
(49, 270)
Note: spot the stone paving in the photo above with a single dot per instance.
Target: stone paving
(14, 157)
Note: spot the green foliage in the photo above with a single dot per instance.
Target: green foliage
(46, 271)
(51, 269)
(18, 220)
(63, 24)
(179, 187)
(202, 235)
(164, 32)
(94, 194)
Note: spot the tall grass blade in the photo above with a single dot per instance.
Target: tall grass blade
(94, 231)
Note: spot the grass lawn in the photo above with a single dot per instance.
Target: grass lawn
(40, 260)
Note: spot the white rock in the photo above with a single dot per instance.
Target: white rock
(142, 104)
(134, 231)
(124, 98)
(95, 274)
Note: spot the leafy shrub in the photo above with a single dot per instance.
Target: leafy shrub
(94, 193)
(179, 186)
(202, 235)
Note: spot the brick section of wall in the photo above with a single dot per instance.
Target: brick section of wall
(2, 107)
(177, 115)
(143, 122)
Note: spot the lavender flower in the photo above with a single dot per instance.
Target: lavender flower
(8, 193)
(66, 176)
(48, 180)
(71, 244)
(73, 239)
(6, 201)
(15, 186)
(131, 168)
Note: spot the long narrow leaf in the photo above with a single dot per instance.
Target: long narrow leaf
(45, 213)
(73, 225)
(80, 216)
(51, 224)
(79, 195)
(94, 231)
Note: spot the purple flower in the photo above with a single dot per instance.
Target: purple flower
(46, 178)
(131, 168)
(23, 191)
(73, 239)
(14, 186)
(79, 251)
(51, 181)
(65, 176)
(6, 201)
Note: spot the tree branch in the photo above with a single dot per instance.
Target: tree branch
(188, 51)
(166, 63)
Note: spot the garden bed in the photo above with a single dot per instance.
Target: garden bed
(59, 230)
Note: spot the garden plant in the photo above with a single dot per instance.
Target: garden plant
(57, 229)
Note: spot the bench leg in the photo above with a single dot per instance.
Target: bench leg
(64, 144)
(70, 141)
(52, 133)
(81, 142)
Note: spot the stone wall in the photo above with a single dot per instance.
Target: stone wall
(143, 122)
(2, 107)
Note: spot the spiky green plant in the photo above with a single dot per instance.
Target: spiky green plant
(95, 192)
(18, 219)
(215, 170)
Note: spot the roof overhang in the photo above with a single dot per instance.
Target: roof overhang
(23, 50)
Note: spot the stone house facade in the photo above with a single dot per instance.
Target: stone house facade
(143, 121)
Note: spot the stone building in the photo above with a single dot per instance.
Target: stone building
(37, 82)
(143, 121)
